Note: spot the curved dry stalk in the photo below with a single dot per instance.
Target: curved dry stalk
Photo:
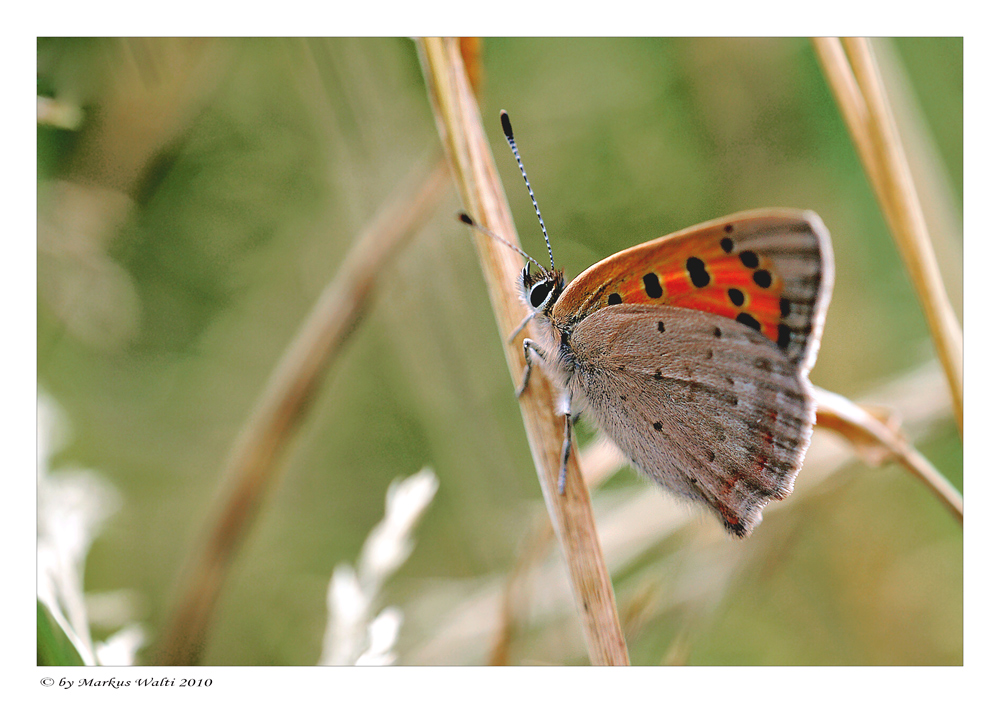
(857, 87)
(875, 440)
(457, 115)
(252, 466)
(879, 441)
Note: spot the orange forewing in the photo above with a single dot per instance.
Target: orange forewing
(699, 268)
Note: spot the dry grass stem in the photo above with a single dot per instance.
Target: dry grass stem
(880, 441)
(598, 462)
(252, 465)
(857, 86)
(460, 126)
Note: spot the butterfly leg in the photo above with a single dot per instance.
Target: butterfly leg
(529, 346)
(567, 445)
(517, 330)
(564, 405)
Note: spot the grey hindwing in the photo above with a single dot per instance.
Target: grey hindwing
(707, 407)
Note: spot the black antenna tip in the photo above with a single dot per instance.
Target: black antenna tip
(505, 123)
(466, 219)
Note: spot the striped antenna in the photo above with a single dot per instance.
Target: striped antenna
(464, 217)
(509, 133)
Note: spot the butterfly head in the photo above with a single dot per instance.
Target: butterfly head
(541, 289)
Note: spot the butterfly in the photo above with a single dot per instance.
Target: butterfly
(691, 352)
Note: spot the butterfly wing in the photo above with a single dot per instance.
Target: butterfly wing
(700, 403)
(771, 270)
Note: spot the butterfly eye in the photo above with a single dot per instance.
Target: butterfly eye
(539, 292)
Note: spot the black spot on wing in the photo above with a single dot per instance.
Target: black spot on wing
(652, 283)
(762, 278)
(784, 335)
(696, 270)
(749, 259)
(748, 320)
(786, 307)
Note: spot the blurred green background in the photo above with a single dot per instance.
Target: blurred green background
(212, 188)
